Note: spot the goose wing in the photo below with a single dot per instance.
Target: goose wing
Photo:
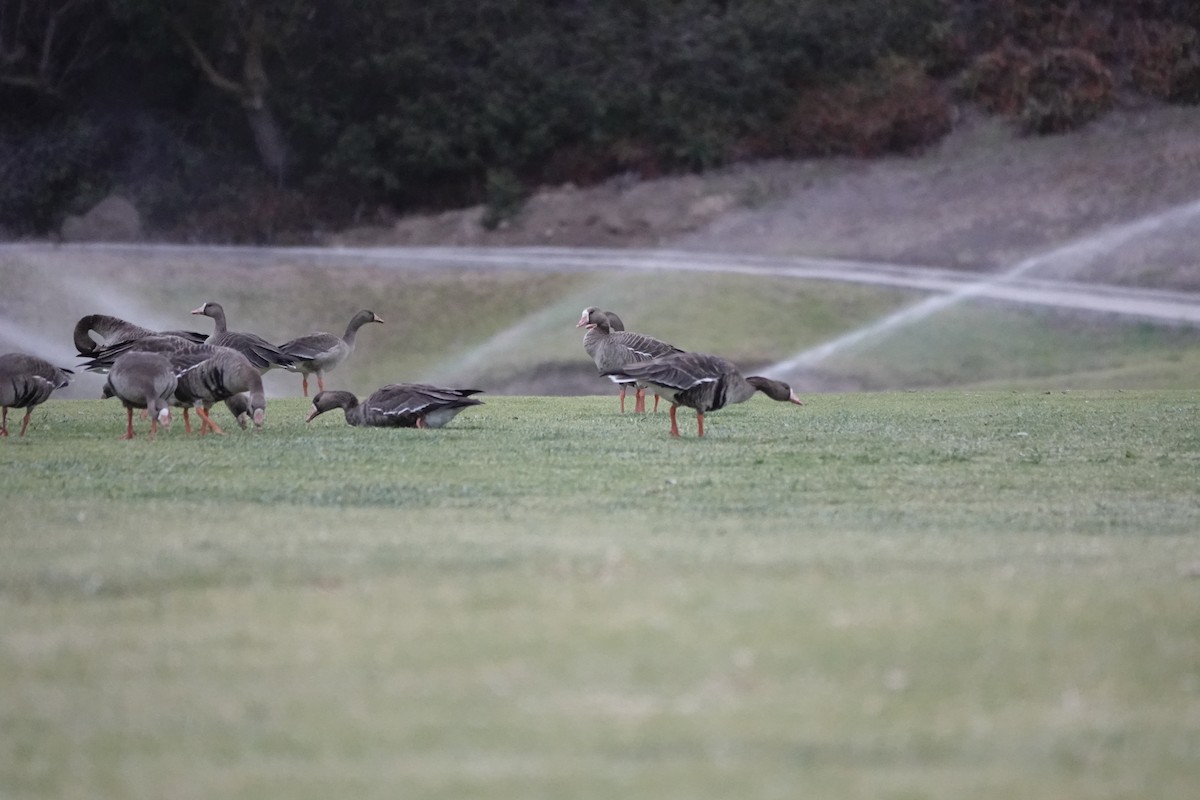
(402, 401)
(640, 347)
(679, 372)
(313, 347)
(261, 353)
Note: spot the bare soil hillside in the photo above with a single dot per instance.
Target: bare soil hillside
(985, 197)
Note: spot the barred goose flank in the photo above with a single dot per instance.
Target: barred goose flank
(317, 353)
(701, 381)
(210, 375)
(26, 382)
(398, 405)
(611, 350)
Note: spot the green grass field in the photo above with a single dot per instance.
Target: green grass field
(895, 595)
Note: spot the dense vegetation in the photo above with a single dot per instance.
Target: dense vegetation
(251, 121)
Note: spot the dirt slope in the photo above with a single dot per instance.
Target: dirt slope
(985, 197)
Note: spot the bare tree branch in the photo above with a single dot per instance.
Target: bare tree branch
(11, 53)
(90, 50)
(251, 91)
(211, 72)
(43, 45)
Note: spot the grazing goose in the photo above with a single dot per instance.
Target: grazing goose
(319, 352)
(207, 375)
(114, 329)
(398, 405)
(26, 382)
(613, 349)
(184, 354)
(701, 381)
(142, 380)
(240, 406)
(262, 354)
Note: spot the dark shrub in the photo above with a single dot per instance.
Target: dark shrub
(251, 209)
(996, 80)
(1054, 91)
(1166, 60)
(504, 196)
(1066, 88)
(895, 108)
(48, 172)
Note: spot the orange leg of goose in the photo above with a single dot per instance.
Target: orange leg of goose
(622, 398)
(640, 406)
(129, 424)
(700, 423)
(655, 404)
(187, 421)
(25, 422)
(674, 424)
(212, 425)
(421, 423)
(304, 382)
(320, 382)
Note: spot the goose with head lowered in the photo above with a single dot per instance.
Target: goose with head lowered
(192, 391)
(613, 349)
(701, 381)
(207, 375)
(398, 405)
(142, 380)
(262, 354)
(317, 353)
(26, 382)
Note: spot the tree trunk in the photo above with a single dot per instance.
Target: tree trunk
(251, 91)
(269, 139)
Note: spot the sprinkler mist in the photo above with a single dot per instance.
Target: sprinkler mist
(1080, 250)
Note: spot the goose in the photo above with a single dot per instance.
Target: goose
(142, 380)
(612, 349)
(319, 352)
(262, 354)
(184, 354)
(114, 329)
(397, 405)
(26, 382)
(207, 375)
(701, 381)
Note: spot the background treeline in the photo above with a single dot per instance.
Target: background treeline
(255, 120)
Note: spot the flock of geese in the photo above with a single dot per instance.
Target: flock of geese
(159, 370)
